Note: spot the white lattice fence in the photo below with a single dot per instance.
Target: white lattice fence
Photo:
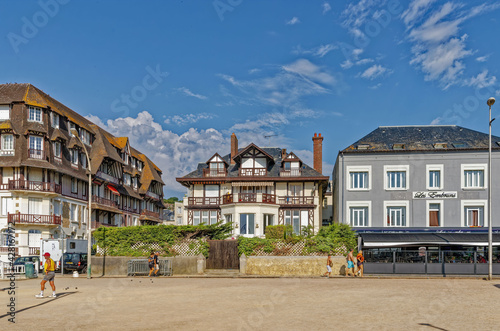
(187, 247)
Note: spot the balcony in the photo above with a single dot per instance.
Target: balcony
(29, 185)
(152, 195)
(200, 201)
(214, 173)
(7, 152)
(37, 154)
(291, 173)
(253, 172)
(104, 202)
(107, 177)
(295, 200)
(249, 198)
(34, 219)
(149, 213)
(130, 209)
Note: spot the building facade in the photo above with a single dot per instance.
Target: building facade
(400, 186)
(44, 173)
(255, 187)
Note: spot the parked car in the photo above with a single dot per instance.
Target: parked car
(75, 261)
(33, 258)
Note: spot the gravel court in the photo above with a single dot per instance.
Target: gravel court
(257, 304)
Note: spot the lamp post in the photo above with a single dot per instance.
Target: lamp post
(89, 218)
(490, 102)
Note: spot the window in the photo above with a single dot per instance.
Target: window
(247, 224)
(83, 160)
(179, 220)
(4, 112)
(35, 206)
(434, 213)
(36, 148)
(74, 185)
(74, 156)
(7, 145)
(359, 177)
(295, 190)
(133, 162)
(125, 157)
(7, 206)
(71, 126)
(134, 182)
(359, 216)
(35, 114)
(474, 216)
(228, 218)
(213, 216)
(73, 213)
(396, 213)
(434, 176)
(139, 165)
(196, 217)
(55, 120)
(85, 136)
(57, 150)
(268, 220)
(359, 213)
(396, 177)
(126, 179)
(473, 213)
(474, 176)
(57, 207)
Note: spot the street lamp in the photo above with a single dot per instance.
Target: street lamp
(89, 218)
(490, 103)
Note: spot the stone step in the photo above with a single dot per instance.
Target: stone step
(222, 272)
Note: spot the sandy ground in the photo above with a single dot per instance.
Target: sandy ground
(256, 304)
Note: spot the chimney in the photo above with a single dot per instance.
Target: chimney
(234, 147)
(318, 153)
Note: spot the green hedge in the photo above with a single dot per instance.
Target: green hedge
(119, 241)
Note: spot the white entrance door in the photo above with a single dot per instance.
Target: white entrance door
(34, 237)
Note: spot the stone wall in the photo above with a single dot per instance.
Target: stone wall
(290, 265)
(117, 265)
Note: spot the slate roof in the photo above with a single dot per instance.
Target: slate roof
(273, 170)
(422, 138)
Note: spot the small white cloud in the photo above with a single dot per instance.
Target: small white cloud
(346, 64)
(483, 58)
(374, 87)
(309, 70)
(293, 21)
(324, 49)
(326, 7)
(188, 118)
(415, 10)
(374, 72)
(187, 92)
(253, 71)
(497, 93)
(364, 61)
(481, 80)
(436, 121)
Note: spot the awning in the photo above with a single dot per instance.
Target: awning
(113, 190)
(413, 239)
(252, 184)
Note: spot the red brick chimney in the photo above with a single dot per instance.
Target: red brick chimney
(234, 147)
(318, 153)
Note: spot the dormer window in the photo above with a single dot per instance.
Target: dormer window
(4, 112)
(35, 114)
(363, 146)
(398, 146)
(85, 136)
(54, 120)
(216, 167)
(71, 126)
(139, 165)
(440, 146)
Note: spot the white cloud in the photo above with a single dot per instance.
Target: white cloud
(188, 118)
(319, 51)
(483, 58)
(175, 154)
(497, 93)
(349, 64)
(355, 15)
(346, 64)
(415, 10)
(187, 92)
(326, 7)
(439, 50)
(481, 80)
(436, 121)
(293, 21)
(376, 86)
(310, 71)
(253, 71)
(374, 72)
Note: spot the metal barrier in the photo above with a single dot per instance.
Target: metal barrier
(139, 267)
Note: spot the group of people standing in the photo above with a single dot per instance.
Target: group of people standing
(354, 264)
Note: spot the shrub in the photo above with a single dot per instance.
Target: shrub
(275, 232)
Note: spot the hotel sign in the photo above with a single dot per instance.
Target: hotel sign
(435, 195)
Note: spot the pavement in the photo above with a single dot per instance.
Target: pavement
(241, 303)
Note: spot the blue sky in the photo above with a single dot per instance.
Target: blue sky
(178, 77)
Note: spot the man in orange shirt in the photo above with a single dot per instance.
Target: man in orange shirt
(50, 267)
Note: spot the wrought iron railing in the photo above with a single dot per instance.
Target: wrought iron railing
(201, 201)
(107, 177)
(104, 201)
(294, 200)
(291, 173)
(214, 173)
(36, 154)
(249, 172)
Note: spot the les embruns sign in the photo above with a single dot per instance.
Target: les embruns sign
(434, 195)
